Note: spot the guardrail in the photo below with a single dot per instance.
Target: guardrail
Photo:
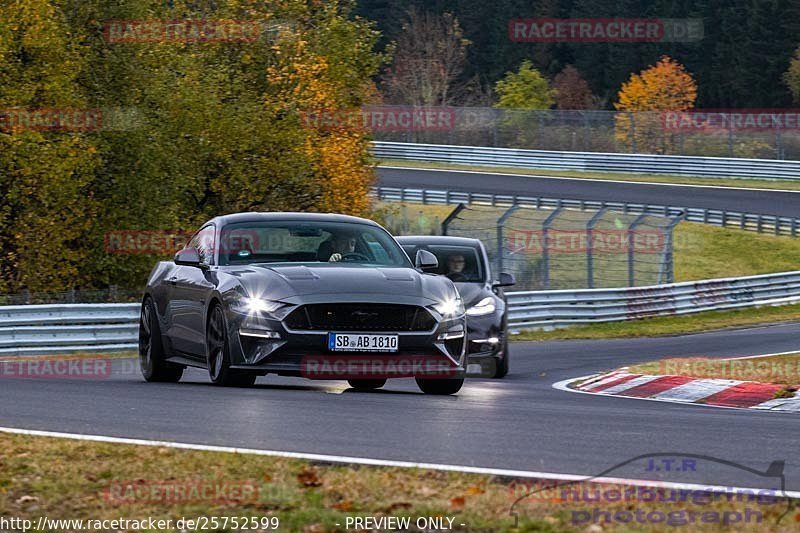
(724, 218)
(673, 165)
(555, 309)
(60, 328)
(43, 329)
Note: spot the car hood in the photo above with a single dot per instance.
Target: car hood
(472, 293)
(348, 282)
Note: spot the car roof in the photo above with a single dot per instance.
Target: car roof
(256, 216)
(438, 239)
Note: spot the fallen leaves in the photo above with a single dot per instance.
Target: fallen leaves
(308, 477)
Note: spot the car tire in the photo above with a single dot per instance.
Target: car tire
(366, 384)
(440, 387)
(501, 363)
(218, 358)
(151, 351)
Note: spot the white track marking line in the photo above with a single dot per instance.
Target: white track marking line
(781, 404)
(488, 173)
(387, 463)
(696, 390)
(762, 355)
(601, 382)
(635, 382)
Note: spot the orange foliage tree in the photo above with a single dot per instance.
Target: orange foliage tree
(665, 86)
(328, 72)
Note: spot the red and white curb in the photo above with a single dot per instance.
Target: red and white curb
(684, 389)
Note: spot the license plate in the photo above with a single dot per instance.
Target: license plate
(348, 342)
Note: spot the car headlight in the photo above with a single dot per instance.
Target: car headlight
(259, 305)
(484, 307)
(450, 307)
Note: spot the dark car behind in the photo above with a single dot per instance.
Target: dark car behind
(483, 296)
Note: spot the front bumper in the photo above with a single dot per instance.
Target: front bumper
(265, 345)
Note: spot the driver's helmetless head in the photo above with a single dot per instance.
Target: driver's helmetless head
(455, 263)
(345, 244)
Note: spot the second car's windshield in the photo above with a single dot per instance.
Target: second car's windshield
(461, 264)
(308, 242)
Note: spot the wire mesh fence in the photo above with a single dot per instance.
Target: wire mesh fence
(570, 248)
(755, 134)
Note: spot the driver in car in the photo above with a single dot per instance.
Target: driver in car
(455, 267)
(342, 245)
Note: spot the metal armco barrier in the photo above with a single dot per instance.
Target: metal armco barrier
(732, 219)
(674, 165)
(554, 309)
(64, 328)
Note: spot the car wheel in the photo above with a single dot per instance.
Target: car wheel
(366, 384)
(502, 363)
(151, 351)
(218, 358)
(440, 386)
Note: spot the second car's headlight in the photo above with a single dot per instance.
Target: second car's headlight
(259, 305)
(484, 307)
(450, 308)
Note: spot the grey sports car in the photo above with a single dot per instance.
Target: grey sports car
(316, 295)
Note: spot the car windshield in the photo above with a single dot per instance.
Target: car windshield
(461, 264)
(308, 241)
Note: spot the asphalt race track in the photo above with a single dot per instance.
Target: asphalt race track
(518, 423)
(780, 203)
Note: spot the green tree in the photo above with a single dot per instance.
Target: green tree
(792, 76)
(524, 89)
(46, 175)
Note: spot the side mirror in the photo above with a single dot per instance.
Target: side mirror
(506, 280)
(188, 257)
(426, 261)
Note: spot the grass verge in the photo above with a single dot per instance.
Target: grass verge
(700, 251)
(779, 369)
(67, 479)
(617, 176)
(707, 252)
(670, 325)
(125, 354)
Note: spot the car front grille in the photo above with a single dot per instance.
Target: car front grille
(360, 317)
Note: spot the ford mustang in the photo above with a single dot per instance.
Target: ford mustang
(316, 295)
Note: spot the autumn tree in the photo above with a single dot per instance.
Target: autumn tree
(46, 165)
(792, 76)
(665, 86)
(429, 56)
(572, 90)
(209, 128)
